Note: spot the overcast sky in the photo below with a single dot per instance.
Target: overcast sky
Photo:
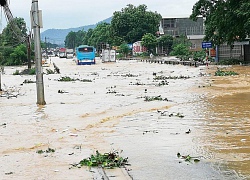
(63, 14)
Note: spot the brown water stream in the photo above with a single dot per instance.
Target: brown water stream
(226, 123)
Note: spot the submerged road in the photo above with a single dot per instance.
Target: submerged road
(146, 112)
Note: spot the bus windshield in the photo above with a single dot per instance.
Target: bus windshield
(85, 49)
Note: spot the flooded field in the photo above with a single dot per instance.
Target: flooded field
(150, 112)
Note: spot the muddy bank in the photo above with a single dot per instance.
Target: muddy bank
(109, 112)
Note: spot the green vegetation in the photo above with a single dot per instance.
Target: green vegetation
(124, 49)
(13, 50)
(166, 41)
(49, 71)
(49, 150)
(17, 72)
(149, 41)
(170, 77)
(32, 71)
(230, 61)
(127, 26)
(225, 21)
(106, 160)
(132, 23)
(155, 98)
(67, 79)
(28, 81)
(188, 158)
(220, 72)
(177, 115)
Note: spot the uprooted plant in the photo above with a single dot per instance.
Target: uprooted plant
(49, 150)
(106, 160)
(67, 79)
(155, 98)
(170, 77)
(220, 72)
(188, 158)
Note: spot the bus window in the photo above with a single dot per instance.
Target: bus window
(86, 49)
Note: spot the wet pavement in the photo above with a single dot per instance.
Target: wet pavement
(201, 115)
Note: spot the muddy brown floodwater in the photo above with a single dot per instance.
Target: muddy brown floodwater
(226, 118)
(199, 115)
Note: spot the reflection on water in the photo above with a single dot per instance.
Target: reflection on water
(227, 120)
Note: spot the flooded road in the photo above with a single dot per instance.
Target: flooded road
(105, 110)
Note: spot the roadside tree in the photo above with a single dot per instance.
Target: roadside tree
(70, 40)
(100, 34)
(149, 41)
(18, 56)
(12, 36)
(124, 49)
(132, 22)
(181, 51)
(166, 41)
(225, 21)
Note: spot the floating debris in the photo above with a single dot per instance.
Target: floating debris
(106, 160)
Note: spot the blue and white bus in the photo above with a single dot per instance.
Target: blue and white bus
(85, 55)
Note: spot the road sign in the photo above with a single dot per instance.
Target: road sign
(206, 45)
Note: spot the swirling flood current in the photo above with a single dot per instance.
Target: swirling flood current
(200, 115)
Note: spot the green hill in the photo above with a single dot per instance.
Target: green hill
(57, 36)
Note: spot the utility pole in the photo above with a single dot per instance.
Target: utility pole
(36, 24)
(28, 51)
(0, 80)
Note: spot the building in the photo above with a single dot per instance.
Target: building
(193, 30)
(196, 41)
(138, 48)
(182, 26)
(239, 50)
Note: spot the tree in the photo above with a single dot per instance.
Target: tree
(226, 21)
(70, 40)
(131, 23)
(166, 41)
(19, 56)
(124, 49)
(149, 41)
(14, 33)
(87, 37)
(100, 34)
(181, 50)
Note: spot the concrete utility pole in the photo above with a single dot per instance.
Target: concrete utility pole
(36, 24)
(0, 80)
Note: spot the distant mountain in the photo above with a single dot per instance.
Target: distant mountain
(57, 36)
